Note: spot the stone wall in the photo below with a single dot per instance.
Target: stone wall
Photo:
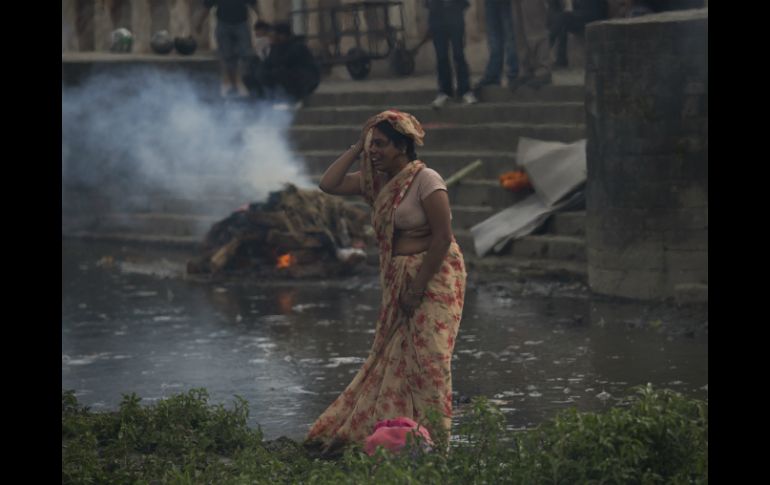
(647, 191)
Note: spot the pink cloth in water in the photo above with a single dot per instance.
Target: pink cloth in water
(391, 434)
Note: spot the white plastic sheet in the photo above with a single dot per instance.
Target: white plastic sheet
(556, 170)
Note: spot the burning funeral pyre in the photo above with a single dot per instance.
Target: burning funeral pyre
(296, 233)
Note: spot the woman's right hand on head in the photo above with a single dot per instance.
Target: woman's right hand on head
(367, 126)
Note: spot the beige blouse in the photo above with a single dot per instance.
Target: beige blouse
(411, 220)
(410, 217)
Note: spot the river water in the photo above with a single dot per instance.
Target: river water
(131, 322)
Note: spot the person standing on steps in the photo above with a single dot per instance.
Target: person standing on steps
(501, 41)
(532, 39)
(447, 26)
(233, 37)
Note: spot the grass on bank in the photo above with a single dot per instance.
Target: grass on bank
(660, 437)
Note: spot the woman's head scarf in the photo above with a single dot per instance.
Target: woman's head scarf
(405, 124)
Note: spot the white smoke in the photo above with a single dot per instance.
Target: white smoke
(143, 133)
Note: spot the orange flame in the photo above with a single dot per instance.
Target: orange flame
(285, 261)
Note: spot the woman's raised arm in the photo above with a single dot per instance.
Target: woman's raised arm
(336, 179)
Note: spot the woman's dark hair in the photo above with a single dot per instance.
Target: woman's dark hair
(398, 139)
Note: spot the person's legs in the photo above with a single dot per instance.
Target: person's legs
(242, 39)
(457, 39)
(292, 86)
(251, 77)
(558, 35)
(292, 82)
(509, 40)
(532, 36)
(441, 45)
(495, 31)
(268, 80)
(566, 23)
(228, 56)
(311, 78)
(576, 23)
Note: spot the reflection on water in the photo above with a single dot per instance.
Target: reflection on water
(290, 348)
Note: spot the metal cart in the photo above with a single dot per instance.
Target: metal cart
(366, 27)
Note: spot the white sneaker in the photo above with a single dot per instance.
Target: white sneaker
(440, 100)
(288, 106)
(470, 98)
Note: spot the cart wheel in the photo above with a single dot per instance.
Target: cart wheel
(402, 62)
(360, 66)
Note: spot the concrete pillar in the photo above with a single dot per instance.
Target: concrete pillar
(141, 21)
(160, 15)
(83, 25)
(102, 25)
(529, 24)
(412, 16)
(69, 35)
(267, 9)
(647, 189)
(180, 21)
(194, 8)
(281, 9)
(474, 22)
(297, 25)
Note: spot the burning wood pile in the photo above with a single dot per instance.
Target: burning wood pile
(296, 233)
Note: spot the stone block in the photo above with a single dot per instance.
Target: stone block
(636, 284)
(681, 260)
(645, 256)
(687, 294)
(686, 277)
(684, 238)
(673, 219)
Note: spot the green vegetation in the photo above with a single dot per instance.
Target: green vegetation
(659, 437)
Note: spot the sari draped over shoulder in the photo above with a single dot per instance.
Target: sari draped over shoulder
(408, 369)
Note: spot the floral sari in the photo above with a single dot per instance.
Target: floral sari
(408, 369)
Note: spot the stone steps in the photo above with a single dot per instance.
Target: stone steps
(534, 246)
(215, 206)
(491, 136)
(511, 266)
(400, 97)
(572, 223)
(188, 224)
(530, 112)
(189, 243)
(155, 224)
(549, 246)
(474, 193)
(456, 136)
(445, 162)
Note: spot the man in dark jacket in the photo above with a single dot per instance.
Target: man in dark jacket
(289, 72)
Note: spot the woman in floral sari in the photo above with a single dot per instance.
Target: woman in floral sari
(422, 274)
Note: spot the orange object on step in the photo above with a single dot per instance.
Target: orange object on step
(515, 181)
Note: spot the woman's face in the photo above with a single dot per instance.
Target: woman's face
(383, 153)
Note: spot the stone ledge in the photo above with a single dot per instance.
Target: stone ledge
(688, 294)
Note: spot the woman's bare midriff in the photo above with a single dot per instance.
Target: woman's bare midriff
(404, 246)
